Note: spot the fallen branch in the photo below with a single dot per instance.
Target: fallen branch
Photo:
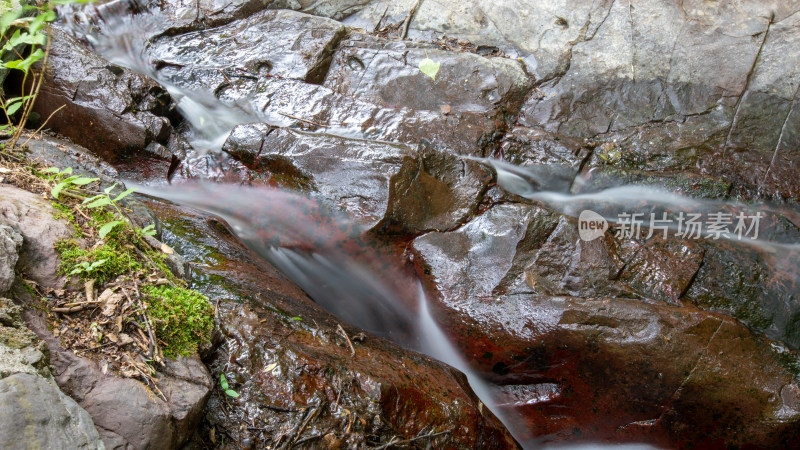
(341, 330)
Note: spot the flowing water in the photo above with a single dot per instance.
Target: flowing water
(329, 274)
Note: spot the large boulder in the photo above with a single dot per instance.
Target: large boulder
(388, 72)
(598, 328)
(405, 189)
(36, 414)
(34, 217)
(106, 108)
(270, 43)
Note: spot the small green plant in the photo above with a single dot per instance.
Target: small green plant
(184, 319)
(87, 268)
(64, 179)
(224, 384)
(25, 42)
(149, 230)
(103, 200)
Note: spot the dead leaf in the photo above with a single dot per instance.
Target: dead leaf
(110, 301)
(445, 109)
(167, 249)
(123, 339)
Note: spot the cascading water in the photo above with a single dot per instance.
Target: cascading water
(330, 275)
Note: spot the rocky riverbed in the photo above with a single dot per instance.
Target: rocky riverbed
(668, 341)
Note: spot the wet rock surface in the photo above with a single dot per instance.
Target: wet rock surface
(634, 370)
(297, 378)
(107, 109)
(657, 340)
(388, 72)
(270, 43)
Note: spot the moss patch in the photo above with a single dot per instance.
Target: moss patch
(184, 319)
(117, 261)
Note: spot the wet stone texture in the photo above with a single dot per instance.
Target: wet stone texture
(296, 377)
(393, 187)
(270, 43)
(107, 109)
(659, 340)
(387, 72)
(528, 303)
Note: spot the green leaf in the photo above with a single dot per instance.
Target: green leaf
(231, 393)
(96, 264)
(25, 64)
(223, 382)
(149, 230)
(110, 188)
(100, 202)
(66, 171)
(93, 198)
(57, 189)
(105, 229)
(52, 170)
(429, 67)
(8, 18)
(297, 318)
(76, 271)
(13, 108)
(124, 194)
(39, 21)
(82, 181)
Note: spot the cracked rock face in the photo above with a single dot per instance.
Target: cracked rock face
(109, 110)
(283, 44)
(558, 325)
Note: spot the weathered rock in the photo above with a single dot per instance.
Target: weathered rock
(36, 414)
(388, 72)
(10, 244)
(288, 363)
(20, 350)
(185, 15)
(284, 102)
(127, 413)
(405, 189)
(34, 217)
(434, 191)
(109, 110)
(282, 43)
(608, 368)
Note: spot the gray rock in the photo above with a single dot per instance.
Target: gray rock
(36, 414)
(388, 72)
(128, 414)
(186, 15)
(20, 349)
(108, 109)
(378, 184)
(270, 43)
(10, 244)
(35, 218)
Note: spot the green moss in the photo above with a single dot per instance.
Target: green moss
(64, 212)
(118, 261)
(184, 319)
